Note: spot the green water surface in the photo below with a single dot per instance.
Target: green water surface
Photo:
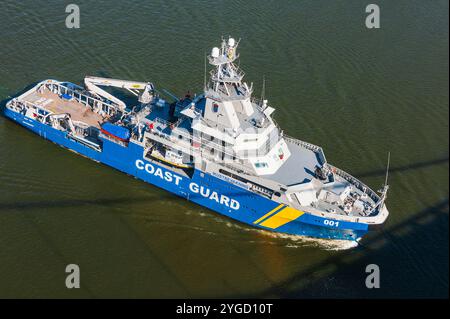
(357, 92)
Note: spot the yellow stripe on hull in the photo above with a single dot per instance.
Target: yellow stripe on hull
(283, 217)
(268, 214)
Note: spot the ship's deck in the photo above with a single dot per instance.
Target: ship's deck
(78, 112)
(299, 167)
(297, 173)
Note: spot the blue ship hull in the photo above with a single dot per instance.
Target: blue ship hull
(204, 189)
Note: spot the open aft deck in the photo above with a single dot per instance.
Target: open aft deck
(57, 105)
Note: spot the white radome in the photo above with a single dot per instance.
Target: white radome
(231, 42)
(215, 52)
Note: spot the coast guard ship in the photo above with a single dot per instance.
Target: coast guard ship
(220, 149)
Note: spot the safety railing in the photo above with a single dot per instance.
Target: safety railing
(316, 149)
(78, 96)
(355, 182)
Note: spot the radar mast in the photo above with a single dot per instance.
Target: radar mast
(226, 77)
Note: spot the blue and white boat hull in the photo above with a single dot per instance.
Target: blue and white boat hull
(202, 188)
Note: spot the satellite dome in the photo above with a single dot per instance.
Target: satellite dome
(231, 42)
(215, 52)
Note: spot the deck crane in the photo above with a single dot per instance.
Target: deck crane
(92, 84)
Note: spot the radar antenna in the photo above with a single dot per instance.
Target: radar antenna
(226, 77)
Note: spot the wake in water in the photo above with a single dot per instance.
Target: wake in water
(267, 237)
(295, 241)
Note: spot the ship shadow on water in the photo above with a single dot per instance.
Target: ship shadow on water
(56, 204)
(408, 167)
(404, 273)
(107, 202)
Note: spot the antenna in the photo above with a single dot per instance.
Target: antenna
(263, 90)
(204, 75)
(387, 169)
(385, 188)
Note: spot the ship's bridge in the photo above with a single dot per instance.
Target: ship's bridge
(225, 124)
(226, 115)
